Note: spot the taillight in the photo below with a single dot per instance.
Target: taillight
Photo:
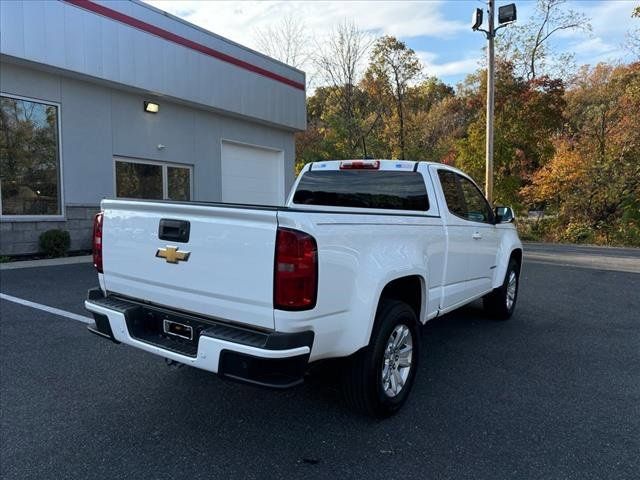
(295, 284)
(97, 242)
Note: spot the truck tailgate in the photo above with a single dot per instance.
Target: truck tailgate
(229, 270)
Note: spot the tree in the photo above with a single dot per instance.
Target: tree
(633, 36)
(339, 64)
(395, 65)
(286, 41)
(527, 116)
(528, 45)
(593, 180)
(318, 141)
(434, 117)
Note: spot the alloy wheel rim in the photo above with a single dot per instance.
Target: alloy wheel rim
(511, 289)
(397, 361)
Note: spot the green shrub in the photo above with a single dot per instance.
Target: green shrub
(55, 243)
(526, 232)
(536, 230)
(626, 234)
(577, 232)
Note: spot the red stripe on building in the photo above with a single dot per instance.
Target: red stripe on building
(185, 42)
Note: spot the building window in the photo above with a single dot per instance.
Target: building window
(153, 180)
(178, 183)
(29, 158)
(139, 180)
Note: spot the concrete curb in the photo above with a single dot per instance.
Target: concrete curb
(47, 262)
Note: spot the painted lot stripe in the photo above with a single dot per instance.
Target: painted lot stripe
(47, 262)
(45, 308)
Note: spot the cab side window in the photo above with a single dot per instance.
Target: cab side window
(463, 198)
(452, 193)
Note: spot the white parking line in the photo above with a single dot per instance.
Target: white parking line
(46, 262)
(39, 306)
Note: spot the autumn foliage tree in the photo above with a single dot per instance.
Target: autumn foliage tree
(593, 180)
(528, 113)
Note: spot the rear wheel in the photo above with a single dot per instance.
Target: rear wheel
(379, 378)
(501, 302)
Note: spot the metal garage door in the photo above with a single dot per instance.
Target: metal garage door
(252, 175)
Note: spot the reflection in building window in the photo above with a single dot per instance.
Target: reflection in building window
(152, 180)
(29, 158)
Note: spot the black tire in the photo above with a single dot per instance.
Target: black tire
(362, 380)
(496, 303)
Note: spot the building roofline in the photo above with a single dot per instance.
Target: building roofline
(167, 35)
(142, 3)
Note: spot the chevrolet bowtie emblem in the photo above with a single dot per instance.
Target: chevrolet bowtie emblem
(172, 255)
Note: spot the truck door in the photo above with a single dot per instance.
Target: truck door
(472, 238)
(458, 234)
(483, 244)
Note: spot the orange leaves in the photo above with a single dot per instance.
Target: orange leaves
(564, 174)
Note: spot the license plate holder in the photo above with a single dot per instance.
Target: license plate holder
(177, 329)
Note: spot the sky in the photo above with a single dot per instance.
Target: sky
(438, 31)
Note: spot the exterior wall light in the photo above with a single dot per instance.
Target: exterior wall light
(151, 107)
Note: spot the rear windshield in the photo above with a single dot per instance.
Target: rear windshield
(363, 189)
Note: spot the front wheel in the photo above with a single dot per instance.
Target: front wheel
(501, 302)
(379, 378)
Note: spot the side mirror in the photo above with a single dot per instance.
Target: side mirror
(504, 215)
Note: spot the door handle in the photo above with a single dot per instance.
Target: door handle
(476, 236)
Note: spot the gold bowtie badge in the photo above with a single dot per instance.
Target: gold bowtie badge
(172, 255)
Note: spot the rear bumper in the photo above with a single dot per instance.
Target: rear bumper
(273, 359)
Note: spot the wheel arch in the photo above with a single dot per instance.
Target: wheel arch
(410, 289)
(516, 254)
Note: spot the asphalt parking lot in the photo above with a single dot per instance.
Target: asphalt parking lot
(553, 393)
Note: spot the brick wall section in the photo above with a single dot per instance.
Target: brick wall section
(20, 238)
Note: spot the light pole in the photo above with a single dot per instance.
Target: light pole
(506, 15)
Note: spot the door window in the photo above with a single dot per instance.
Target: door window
(463, 198)
(478, 209)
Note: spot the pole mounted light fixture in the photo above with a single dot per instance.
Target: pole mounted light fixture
(476, 19)
(506, 15)
(151, 107)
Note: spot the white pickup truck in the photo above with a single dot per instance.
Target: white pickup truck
(363, 253)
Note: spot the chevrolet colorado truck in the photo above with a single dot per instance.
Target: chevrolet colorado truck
(362, 254)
